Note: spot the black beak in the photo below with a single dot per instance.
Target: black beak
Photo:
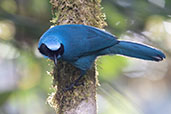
(55, 60)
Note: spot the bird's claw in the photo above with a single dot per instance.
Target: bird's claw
(72, 86)
(76, 82)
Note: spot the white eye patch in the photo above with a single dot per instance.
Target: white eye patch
(53, 46)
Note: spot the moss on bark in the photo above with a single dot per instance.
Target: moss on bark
(87, 12)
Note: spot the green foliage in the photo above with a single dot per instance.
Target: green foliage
(4, 97)
(5, 4)
(115, 18)
(110, 67)
(39, 8)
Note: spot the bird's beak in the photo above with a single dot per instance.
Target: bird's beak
(55, 60)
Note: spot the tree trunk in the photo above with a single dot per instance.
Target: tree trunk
(82, 99)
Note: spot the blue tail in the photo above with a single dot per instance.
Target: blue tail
(137, 50)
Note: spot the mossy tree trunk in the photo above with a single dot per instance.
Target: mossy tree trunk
(82, 99)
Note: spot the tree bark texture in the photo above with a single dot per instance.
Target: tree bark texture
(82, 99)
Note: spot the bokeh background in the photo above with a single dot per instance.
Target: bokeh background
(128, 86)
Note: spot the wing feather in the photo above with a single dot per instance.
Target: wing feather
(82, 40)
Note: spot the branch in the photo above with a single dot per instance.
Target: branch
(81, 100)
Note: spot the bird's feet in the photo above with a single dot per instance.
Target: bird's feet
(75, 83)
(70, 87)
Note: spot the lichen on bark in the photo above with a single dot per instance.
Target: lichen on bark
(87, 12)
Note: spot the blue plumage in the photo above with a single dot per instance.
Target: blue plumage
(135, 50)
(81, 44)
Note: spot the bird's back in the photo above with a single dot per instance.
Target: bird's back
(81, 40)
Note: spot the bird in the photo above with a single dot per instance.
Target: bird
(80, 45)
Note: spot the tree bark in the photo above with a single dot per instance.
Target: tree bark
(82, 99)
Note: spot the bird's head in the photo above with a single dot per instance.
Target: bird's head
(51, 48)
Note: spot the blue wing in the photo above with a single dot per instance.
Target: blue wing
(80, 40)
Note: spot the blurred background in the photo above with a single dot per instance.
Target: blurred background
(128, 86)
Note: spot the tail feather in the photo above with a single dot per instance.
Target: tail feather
(137, 50)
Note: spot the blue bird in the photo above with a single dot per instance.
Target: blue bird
(80, 45)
